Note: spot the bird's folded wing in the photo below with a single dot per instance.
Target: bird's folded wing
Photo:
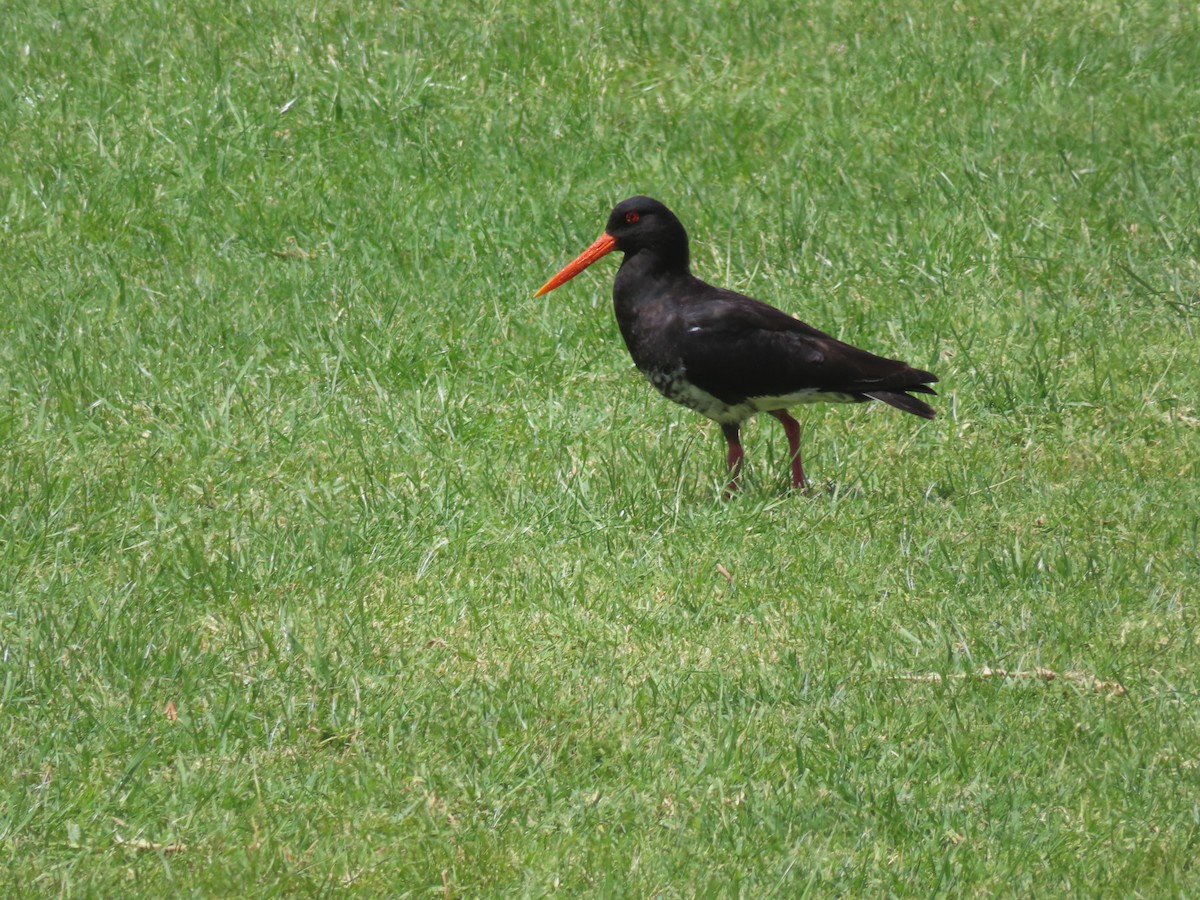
(736, 347)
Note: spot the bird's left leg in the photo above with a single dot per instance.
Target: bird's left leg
(792, 428)
(734, 459)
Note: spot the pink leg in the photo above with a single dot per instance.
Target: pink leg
(734, 459)
(792, 428)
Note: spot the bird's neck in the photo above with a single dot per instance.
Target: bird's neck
(647, 267)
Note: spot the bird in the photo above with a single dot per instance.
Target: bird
(721, 353)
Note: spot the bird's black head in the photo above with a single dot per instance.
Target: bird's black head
(642, 223)
(635, 225)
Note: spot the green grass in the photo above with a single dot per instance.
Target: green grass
(429, 575)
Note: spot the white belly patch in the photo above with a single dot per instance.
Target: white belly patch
(675, 386)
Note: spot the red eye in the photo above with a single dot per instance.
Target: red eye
(631, 217)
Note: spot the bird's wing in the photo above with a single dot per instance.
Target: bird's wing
(736, 347)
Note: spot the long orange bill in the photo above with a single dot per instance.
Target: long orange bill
(606, 243)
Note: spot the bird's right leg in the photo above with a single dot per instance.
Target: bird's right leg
(734, 459)
(792, 428)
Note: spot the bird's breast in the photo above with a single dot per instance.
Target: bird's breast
(651, 332)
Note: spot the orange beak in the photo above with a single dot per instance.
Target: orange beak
(604, 244)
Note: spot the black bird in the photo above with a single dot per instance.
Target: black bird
(721, 353)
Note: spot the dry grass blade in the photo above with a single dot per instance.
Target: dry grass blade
(145, 845)
(1080, 678)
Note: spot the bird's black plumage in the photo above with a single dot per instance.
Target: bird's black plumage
(726, 355)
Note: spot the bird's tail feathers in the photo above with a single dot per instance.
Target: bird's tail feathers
(904, 402)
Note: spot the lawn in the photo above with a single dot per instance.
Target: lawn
(332, 561)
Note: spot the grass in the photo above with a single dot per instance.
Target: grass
(334, 562)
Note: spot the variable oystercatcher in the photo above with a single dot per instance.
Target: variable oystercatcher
(721, 353)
